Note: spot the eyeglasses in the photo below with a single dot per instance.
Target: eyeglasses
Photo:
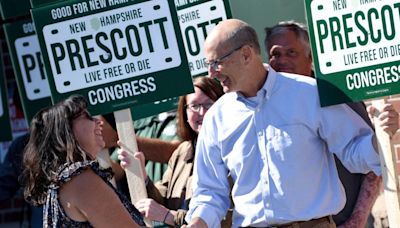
(85, 114)
(197, 107)
(214, 64)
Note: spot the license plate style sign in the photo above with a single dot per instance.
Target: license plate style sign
(115, 53)
(356, 48)
(30, 60)
(120, 35)
(27, 61)
(196, 21)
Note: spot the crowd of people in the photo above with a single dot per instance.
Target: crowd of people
(266, 154)
(169, 199)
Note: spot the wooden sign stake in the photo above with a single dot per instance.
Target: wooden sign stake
(134, 175)
(388, 165)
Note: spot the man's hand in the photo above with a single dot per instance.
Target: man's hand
(196, 223)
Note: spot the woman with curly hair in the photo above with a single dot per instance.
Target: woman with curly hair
(61, 173)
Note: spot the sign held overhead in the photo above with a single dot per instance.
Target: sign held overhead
(115, 53)
(356, 48)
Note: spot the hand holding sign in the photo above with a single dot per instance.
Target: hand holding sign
(387, 118)
(356, 56)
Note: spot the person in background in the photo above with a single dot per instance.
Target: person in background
(10, 169)
(288, 48)
(60, 171)
(270, 133)
(163, 127)
(168, 199)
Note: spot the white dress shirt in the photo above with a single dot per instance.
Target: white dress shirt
(278, 148)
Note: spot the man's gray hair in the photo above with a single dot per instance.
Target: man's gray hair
(299, 29)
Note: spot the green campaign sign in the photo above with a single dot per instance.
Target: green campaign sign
(356, 48)
(115, 53)
(154, 108)
(25, 56)
(5, 133)
(196, 20)
(13, 9)
(28, 66)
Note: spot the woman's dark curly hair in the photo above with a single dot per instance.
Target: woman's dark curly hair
(51, 145)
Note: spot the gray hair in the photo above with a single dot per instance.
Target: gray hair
(299, 29)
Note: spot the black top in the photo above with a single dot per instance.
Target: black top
(53, 213)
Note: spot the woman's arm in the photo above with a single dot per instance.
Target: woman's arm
(87, 194)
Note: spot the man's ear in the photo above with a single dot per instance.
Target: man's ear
(247, 53)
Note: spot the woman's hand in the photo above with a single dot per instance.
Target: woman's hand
(152, 210)
(125, 158)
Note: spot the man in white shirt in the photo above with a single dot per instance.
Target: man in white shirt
(270, 133)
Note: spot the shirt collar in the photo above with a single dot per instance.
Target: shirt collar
(270, 82)
(267, 88)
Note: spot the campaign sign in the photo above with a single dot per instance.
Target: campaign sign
(11, 9)
(5, 133)
(115, 53)
(196, 20)
(154, 108)
(27, 62)
(356, 48)
(38, 3)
